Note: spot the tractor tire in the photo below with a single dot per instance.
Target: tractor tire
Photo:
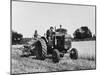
(74, 54)
(55, 56)
(41, 49)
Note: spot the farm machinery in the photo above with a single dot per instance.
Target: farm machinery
(56, 46)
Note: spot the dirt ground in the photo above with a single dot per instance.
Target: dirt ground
(30, 64)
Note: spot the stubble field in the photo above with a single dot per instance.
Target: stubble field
(86, 60)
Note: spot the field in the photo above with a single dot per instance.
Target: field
(86, 50)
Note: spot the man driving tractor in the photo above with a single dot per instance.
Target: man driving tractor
(49, 33)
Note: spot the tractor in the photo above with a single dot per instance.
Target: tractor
(56, 46)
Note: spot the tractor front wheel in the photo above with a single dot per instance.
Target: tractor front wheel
(55, 56)
(74, 53)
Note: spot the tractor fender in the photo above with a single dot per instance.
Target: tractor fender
(44, 39)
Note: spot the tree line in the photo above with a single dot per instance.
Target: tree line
(81, 34)
(16, 37)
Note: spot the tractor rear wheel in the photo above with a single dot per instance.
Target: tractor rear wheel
(41, 49)
(55, 56)
(74, 53)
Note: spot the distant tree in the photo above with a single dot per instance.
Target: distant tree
(16, 37)
(82, 33)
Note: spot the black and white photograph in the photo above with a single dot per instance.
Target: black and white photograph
(52, 37)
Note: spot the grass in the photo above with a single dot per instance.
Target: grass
(92, 58)
(86, 50)
(86, 60)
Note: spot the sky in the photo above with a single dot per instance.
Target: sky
(30, 16)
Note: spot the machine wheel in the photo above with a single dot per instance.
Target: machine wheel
(25, 52)
(62, 55)
(41, 49)
(74, 53)
(56, 56)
